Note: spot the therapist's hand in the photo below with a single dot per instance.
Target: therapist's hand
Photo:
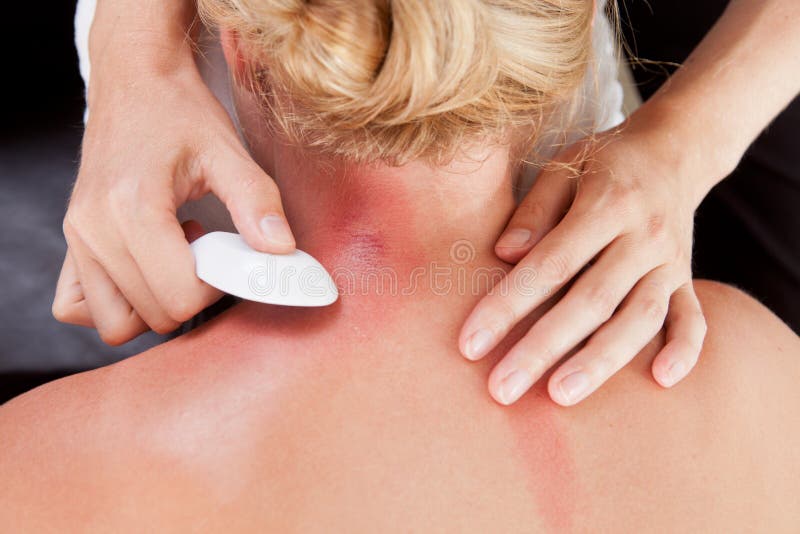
(618, 225)
(150, 145)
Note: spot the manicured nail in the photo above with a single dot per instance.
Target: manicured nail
(515, 238)
(276, 230)
(675, 372)
(574, 386)
(513, 386)
(478, 344)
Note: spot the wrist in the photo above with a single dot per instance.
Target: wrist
(699, 154)
(120, 85)
(128, 64)
(134, 39)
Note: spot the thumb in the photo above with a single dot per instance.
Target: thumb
(253, 200)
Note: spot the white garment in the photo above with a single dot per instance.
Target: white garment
(600, 105)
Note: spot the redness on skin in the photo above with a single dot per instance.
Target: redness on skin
(363, 240)
(365, 248)
(543, 447)
(359, 244)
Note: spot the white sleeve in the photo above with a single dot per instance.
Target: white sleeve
(598, 102)
(609, 92)
(600, 98)
(84, 15)
(208, 56)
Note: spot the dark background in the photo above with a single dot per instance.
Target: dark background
(40, 136)
(752, 243)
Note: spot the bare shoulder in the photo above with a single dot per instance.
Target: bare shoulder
(749, 355)
(739, 323)
(43, 448)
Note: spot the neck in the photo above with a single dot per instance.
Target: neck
(356, 219)
(359, 220)
(411, 239)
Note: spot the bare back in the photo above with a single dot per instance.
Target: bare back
(308, 420)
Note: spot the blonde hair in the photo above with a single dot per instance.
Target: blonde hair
(398, 80)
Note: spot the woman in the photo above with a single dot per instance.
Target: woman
(639, 193)
(362, 416)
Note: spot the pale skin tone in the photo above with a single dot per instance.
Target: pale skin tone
(362, 417)
(632, 210)
(637, 195)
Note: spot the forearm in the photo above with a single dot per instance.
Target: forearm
(135, 38)
(740, 77)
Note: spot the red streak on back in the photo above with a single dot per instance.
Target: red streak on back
(543, 447)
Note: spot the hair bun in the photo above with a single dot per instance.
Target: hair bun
(402, 79)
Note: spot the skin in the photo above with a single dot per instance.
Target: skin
(362, 416)
(629, 210)
(637, 192)
(128, 267)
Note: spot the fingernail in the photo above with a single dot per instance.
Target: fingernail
(515, 238)
(675, 372)
(478, 344)
(574, 386)
(513, 386)
(276, 230)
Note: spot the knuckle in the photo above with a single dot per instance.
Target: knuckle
(602, 301)
(621, 197)
(118, 326)
(601, 364)
(523, 282)
(60, 312)
(502, 311)
(164, 326)
(67, 226)
(72, 223)
(653, 309)
(535, 353)
(248, 183)
(538, 364)
(555, 268)
(617, 193)
(253, 180)
(532, 210)
(179, 308)
(116, 333)
(656, 227)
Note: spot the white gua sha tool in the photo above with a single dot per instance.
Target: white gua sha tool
(225, 261)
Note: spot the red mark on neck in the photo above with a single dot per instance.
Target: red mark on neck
(364, 248)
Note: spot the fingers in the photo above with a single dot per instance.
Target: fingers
(588, 304)
(617, 342)
(538, 213)
(554, 261)
(133, 251)
(106, 248)
(113, 316)
(254, 202)
(686, 330)
(69, 303)
(166, 263)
